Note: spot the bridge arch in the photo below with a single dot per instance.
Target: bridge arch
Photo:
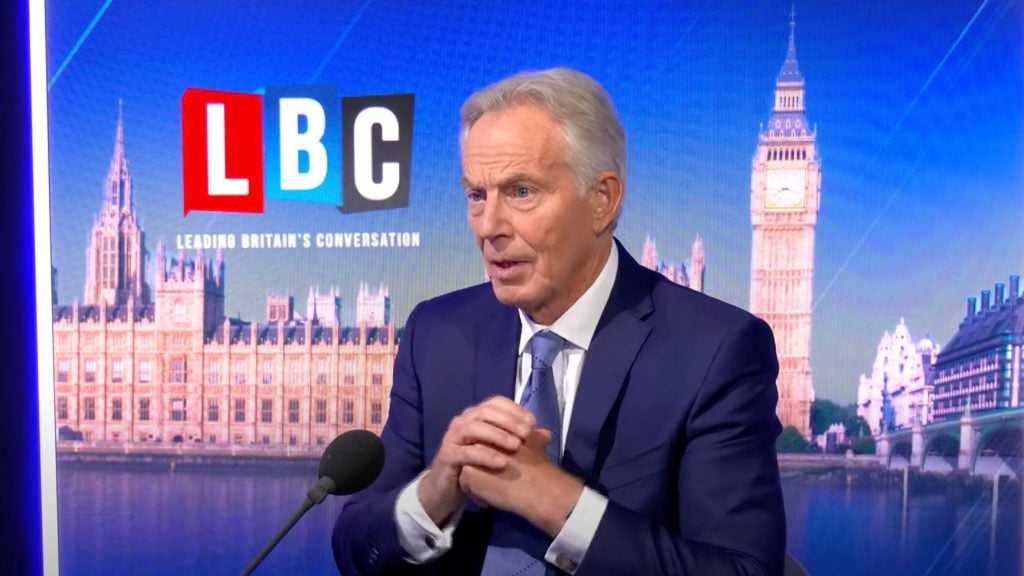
(940, 453)
(999, 450)
(899, 455)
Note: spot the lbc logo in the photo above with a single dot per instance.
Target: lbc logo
(295, 143)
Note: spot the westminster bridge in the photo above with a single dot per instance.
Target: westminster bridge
(982, 444)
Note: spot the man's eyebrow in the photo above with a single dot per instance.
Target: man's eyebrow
(506, 181)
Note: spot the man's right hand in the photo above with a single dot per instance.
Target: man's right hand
(483, 436)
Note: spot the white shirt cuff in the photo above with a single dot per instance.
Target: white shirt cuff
(572, 542)
(420, 538)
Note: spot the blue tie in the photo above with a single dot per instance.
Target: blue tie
(540, 395)
(510, 535)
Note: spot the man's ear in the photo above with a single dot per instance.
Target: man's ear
(605, 201)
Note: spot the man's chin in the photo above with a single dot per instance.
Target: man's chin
(509, 295)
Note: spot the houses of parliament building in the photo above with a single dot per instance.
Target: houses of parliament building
(135, 363)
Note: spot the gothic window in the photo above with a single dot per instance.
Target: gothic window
(241, 368)
(179, 311)
(90, 370)
(266, 410)
(116, 409)
(63, 370)
(348, 412)
(267, 371)
(144, 409)
(294, 372)
(378, 372)
(239, 410)
(178, 413)
(146, 371)
(213, 410)
(62, 408)
(321, 371)
(321, 411)
(350, 372)
(213, 374)
(117, 370)
(375, 413)
(292, 440)
(293, 411)
(90, 409)
(179, 371)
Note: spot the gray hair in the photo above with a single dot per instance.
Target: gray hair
(594, 138)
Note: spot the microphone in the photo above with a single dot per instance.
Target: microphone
(350, 463)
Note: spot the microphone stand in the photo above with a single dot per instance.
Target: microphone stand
(316, 495)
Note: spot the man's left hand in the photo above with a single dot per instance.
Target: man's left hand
(531, 486)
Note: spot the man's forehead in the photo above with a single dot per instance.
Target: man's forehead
(519, 124)
(513, 136)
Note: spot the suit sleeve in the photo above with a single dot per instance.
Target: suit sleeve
(730, 509)
(365, 537)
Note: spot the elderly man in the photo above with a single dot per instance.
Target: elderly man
(578, 414)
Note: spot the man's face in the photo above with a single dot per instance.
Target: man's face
(536, 232)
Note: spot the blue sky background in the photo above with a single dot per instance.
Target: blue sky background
(919, 108)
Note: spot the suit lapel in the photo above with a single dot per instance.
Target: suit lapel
(620, 334)
(494, 367)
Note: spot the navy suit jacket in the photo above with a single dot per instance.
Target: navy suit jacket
(674, 421)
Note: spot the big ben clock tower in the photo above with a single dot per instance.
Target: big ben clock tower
(785, 189)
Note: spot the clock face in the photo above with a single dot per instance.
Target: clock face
(785, 189)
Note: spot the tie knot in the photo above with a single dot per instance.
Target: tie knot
(544, 346)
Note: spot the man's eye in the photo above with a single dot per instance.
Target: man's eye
(474, 196)
(522, 192)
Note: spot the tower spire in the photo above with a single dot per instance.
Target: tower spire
(119, 135)
(119, 186)
(792, 25)
(790, 70)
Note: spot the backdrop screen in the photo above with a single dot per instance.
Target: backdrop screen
(246, 200)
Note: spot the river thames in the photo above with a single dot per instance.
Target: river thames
(121, 520)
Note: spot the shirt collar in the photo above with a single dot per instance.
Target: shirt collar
(579, 322)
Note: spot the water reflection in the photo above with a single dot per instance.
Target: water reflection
(937, 526)
(213, 521)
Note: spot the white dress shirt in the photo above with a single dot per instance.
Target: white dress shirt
(423, 541)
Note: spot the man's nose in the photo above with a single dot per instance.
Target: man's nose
(493, 220)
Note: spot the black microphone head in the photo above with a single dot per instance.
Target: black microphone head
(352, 461)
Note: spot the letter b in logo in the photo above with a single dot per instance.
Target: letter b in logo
(303, 127)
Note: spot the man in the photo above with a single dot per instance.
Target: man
(580, 413)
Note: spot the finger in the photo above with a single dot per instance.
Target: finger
(480, 432)
(505, 414)
(539, 437)
(482, 456)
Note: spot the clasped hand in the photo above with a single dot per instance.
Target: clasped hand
(494, 454)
